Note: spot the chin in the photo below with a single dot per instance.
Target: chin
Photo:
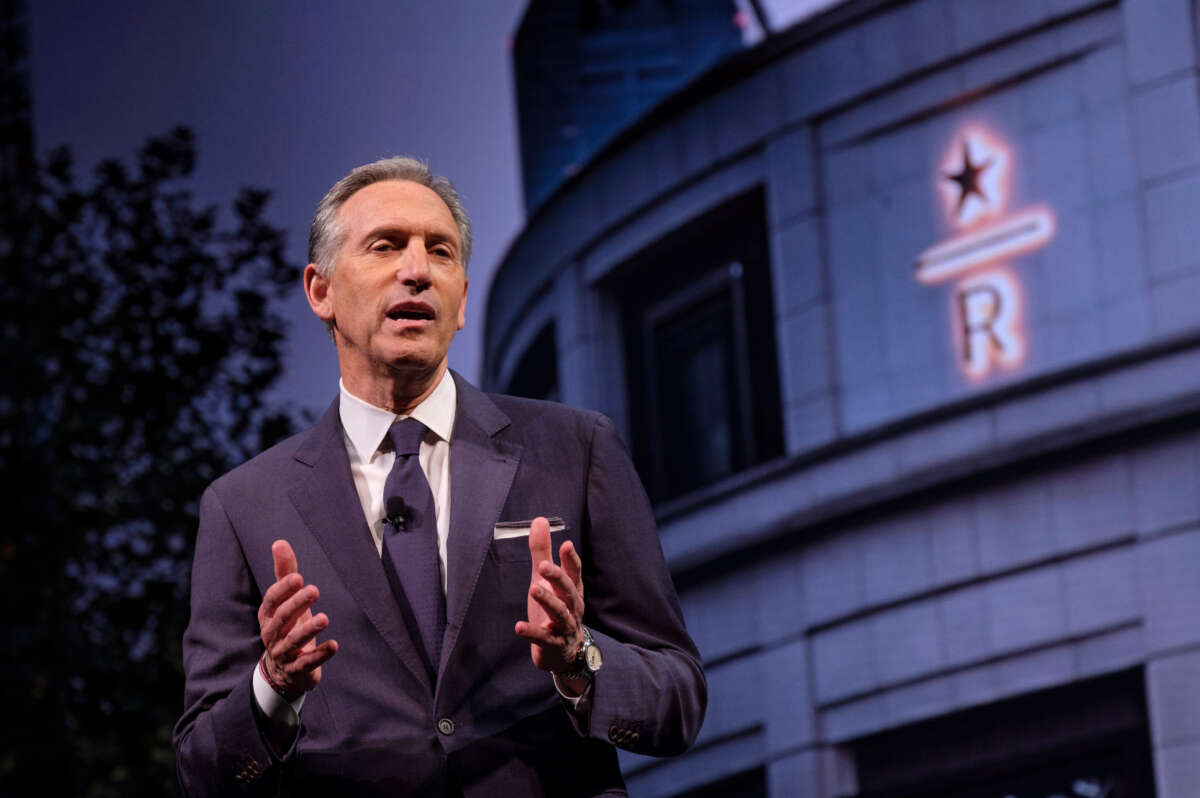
(410, 363)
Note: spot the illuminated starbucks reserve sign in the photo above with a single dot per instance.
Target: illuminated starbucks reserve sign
(974, 182)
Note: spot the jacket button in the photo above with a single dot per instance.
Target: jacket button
(614, 733)
(250, 770)
(445, 726)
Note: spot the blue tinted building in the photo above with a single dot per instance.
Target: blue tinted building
(585, 69)
(899, 313)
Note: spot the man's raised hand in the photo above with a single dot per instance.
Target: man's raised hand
(292, 658)
(555, 604)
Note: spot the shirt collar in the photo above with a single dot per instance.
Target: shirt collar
(366, 425)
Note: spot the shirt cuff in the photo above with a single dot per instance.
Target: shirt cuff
(275, 707)
(581, 705)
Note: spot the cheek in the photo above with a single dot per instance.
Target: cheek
(356, 297)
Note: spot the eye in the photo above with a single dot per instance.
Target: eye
(382, 246)
(443, 252)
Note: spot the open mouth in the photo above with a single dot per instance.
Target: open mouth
(411, 311)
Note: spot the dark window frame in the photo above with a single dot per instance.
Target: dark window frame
(1017, 744)
(723, 279)
(725, 249)
(527, 378)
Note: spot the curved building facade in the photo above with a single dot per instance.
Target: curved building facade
(900, 314)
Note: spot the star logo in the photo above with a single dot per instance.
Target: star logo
(973, 178)
(968, 176)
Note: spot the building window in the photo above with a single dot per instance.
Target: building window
(1084, 740)
(536, 374)
(700, 344)
(747, 784)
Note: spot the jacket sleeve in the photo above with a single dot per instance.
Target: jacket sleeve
(220, 746)
(650, 695)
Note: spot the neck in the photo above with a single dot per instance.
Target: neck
(397, 391)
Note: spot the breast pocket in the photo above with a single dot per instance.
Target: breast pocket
(510, 564)
(510, 539)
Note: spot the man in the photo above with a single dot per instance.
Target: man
(414, 529)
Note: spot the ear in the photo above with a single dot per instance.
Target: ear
(462, 306)
(319, 292)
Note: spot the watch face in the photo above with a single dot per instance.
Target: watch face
(593, 658)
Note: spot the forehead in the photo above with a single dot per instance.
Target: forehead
(397, 204)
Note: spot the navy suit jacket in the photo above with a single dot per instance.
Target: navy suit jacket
(492, 724)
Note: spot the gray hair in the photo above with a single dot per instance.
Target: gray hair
(325, 236)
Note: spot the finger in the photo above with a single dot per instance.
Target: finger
(539, 542)
(285, 559)
(289, 612)
(293, 624)
(298, 639)
(561, 583)
(543, 638)
(572, 564)
(560, 617)
(315, 658)
(278, 593)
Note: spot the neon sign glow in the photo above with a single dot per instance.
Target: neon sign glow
(989, 322)
(974, 183)
(1017, 235)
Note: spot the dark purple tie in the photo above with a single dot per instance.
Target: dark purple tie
(410, 543)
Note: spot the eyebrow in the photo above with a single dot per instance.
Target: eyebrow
(434, 235)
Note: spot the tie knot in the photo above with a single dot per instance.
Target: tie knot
(406, 435)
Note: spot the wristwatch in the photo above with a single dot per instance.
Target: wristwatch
(589, 661)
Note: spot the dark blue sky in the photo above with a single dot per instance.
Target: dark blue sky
(289, 96)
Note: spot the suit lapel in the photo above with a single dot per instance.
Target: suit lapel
(325, 500)
(482, 468)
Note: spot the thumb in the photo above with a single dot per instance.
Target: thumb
(285, 559)
(539, 542)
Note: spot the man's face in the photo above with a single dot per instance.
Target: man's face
(398, 292)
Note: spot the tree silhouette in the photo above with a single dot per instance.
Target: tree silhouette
(137, 340)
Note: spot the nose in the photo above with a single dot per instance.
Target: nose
(413, 267)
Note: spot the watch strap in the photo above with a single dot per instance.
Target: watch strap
(580, 669)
